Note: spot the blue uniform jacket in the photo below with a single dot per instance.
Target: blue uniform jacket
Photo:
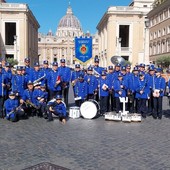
(117, 87)
(34, 75)
(28, 70)
(59, 109)
(75, 75)
(159, 83)
(39, 93)
(132, 82)
(51, 80)
(111, 78)
(142, 85)
(98, 69)
(18, 84)
(65, 74)
(92, 83)
(28, 95)
(103, 82)
(80, 89)
(10, 105)
(4, 80)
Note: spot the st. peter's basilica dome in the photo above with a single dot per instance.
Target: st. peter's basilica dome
(69, 25)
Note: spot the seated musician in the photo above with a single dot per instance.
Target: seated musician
(40, 96)
(13, 111)
(58, 108)
(30, 107)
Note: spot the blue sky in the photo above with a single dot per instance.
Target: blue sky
(89, 12)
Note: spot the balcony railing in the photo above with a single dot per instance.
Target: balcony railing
(125, 48)
(9, 47)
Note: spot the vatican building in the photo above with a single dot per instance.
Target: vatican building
(53, 47)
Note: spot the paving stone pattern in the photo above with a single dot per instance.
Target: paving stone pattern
(84, 144)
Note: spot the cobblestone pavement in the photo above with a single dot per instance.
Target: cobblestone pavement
(84, 144)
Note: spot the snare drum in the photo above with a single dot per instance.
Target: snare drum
(126, 118)
(136, 117)
(74, 112)
(89, 109)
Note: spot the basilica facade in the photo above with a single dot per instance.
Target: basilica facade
(54, 46)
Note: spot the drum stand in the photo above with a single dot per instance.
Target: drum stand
(124, 113)
(124, 100)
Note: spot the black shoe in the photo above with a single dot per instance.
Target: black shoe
(149, 114)
(49, 120)
(45, 116)
(160, 118)
(154, 117)
(144, 116)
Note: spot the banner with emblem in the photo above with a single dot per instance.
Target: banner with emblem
(83, 49)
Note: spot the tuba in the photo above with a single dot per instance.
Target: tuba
(118, 60)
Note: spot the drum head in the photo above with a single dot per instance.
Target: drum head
(88, 110)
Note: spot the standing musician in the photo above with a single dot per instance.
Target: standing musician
(26, 77)
(158, 93)
(131, 91)
(151, 81)
(104, 87)
(98, 70)
(30, 108)
(54, 81)
(45, 69)
(75, 74)
(117, 70)
(18, 82)
(58, 108)
(40, 99)
(80, 90)
(7, 71)
(111, 98)
(65, 79)
(36, 74)
(13, 111)
(92, 83)
(142, 69)
(142, 94)
(3, 90)
(28, 69)
(120, 86)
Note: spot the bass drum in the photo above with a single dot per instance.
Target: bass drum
(89, 109)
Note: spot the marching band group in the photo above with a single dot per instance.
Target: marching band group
(38, 91)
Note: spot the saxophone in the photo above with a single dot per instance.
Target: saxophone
(28, 102)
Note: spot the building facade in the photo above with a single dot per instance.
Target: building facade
(53, 47)
(122, 32)
(159, 31)
(18, 32)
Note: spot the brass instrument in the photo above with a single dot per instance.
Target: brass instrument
(74, 82)
(15, 109)
(28, 102)
(36, 82)
(130, 95)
